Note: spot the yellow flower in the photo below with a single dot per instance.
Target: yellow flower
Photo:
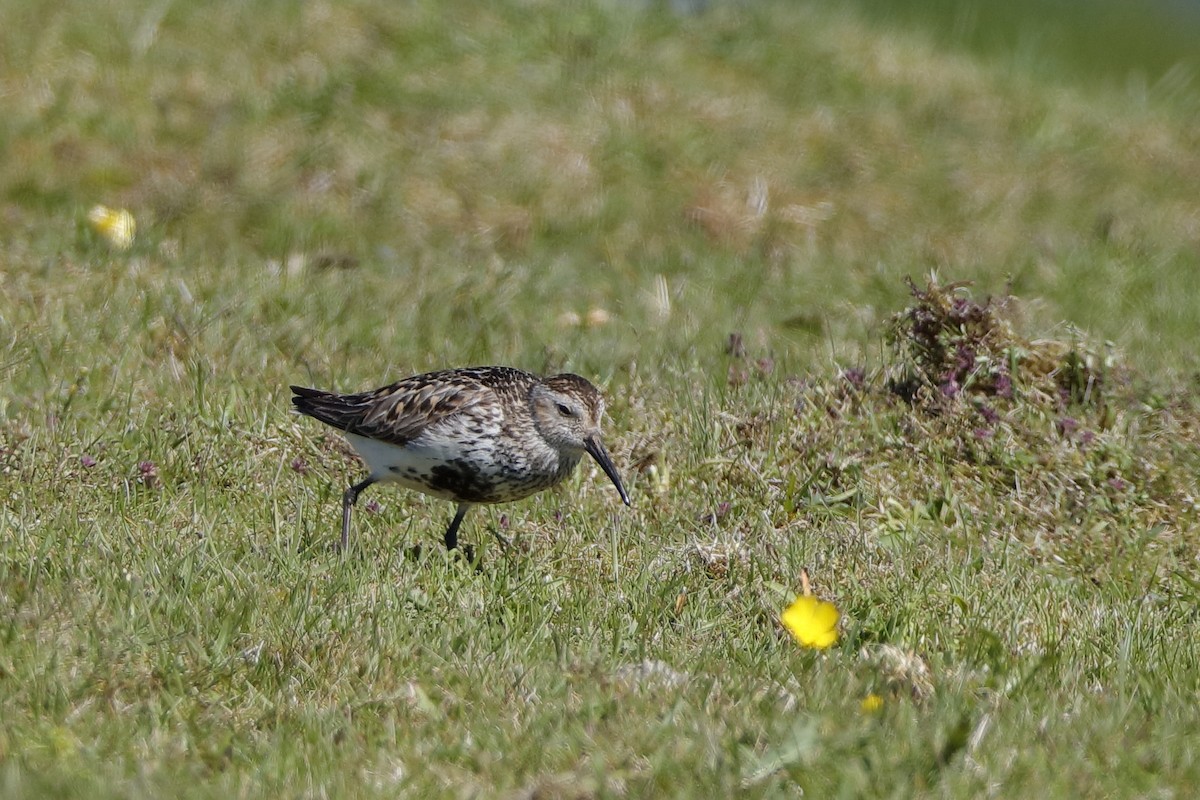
(812, 621)
(116, 225)
(871, 703)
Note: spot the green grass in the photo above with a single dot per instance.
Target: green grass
(1127, 44)
(343, 194)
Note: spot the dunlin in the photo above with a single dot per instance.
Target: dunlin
(473, 435)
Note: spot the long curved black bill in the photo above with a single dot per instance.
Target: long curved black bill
(596, 450)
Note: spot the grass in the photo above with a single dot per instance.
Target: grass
(1115, 44)
(341, 194)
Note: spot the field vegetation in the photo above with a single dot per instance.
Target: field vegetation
(912, 315)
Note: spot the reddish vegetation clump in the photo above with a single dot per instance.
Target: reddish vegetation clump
(949, 347)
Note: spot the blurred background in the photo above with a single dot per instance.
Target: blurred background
(352, 190)
(1103, 41)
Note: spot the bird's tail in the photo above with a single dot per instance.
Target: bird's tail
(331, 408)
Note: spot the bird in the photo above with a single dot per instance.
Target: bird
(470, 435)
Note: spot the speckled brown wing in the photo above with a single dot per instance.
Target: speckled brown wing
(398, 413)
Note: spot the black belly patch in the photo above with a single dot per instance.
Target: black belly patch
(460, 479)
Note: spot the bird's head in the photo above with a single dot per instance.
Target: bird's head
(567, 411)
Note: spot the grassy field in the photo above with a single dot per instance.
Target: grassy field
(712, 216)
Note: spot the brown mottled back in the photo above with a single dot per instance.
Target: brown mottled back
(398, 413)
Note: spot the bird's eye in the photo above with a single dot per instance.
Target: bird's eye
(565, 410)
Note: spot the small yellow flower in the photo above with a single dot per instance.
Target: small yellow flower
(812, 621)
(871, 703)
(116, 225)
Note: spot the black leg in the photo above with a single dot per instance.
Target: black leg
(348, 501)
(452, 531)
